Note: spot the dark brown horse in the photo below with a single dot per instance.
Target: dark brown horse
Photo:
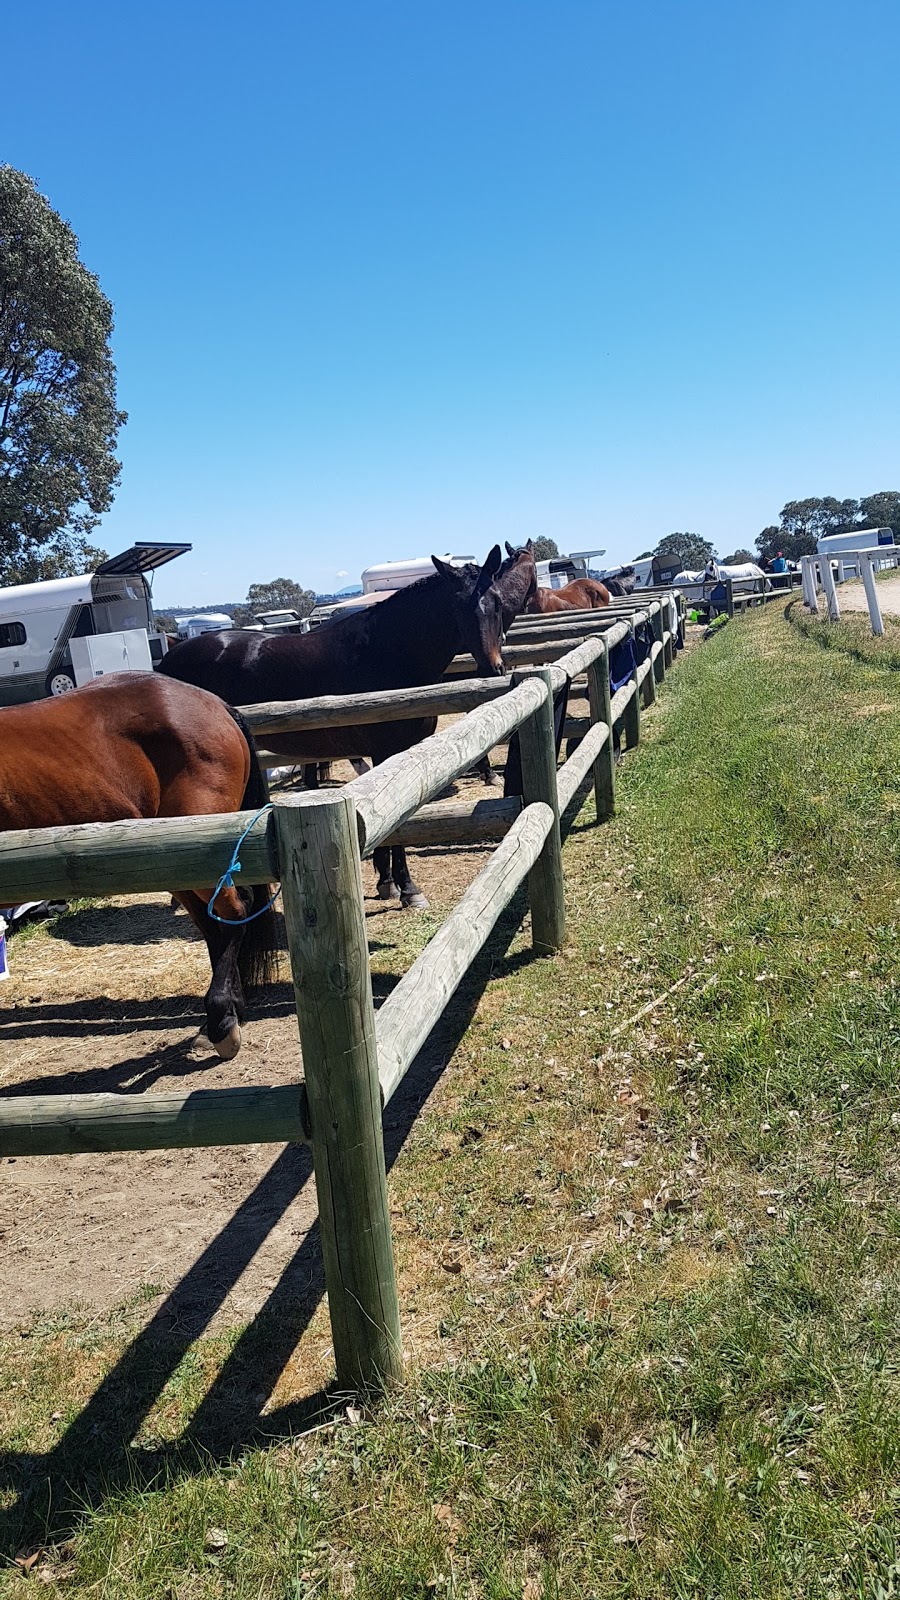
(516, 581)
(406, 641)
(137, 745)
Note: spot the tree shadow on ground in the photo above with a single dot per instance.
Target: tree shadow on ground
(132, 924)
(54, 1492)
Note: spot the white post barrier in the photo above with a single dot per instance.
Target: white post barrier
(828, 584)
(808, 576)
(863, 563)
(867, 569)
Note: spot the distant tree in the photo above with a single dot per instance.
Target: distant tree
(644, 555)
(691, 551)
(816, 517)
(881, 511)
(281, 594)
(803, 523)
(63, 557)
(165, 622)
(58, 414)
(738, 558)
(546, 549)
(774, 541)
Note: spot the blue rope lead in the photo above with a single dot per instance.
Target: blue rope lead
(227, 880)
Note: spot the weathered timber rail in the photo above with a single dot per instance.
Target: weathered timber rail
(313, 844)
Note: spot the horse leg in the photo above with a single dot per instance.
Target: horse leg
(386, 888)
(224, 999)
(487, 774)
(411, 896)
(310, 775)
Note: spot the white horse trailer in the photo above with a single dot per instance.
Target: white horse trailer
(59, 634)
(844, 548)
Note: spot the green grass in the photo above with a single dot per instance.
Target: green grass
(647, 1226)
(853, 634)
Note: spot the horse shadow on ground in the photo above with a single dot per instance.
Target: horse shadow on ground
(104, 1016)
(170, 1059)
(54, 1492)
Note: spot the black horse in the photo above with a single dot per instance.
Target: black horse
(620, 582)
(402, 643)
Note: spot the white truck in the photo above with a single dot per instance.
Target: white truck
(59, 634)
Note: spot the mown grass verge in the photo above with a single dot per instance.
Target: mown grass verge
(647, 1226)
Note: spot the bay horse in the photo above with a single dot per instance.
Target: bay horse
(133, 744)
(404, 642)
(519, 577)
(582, 594)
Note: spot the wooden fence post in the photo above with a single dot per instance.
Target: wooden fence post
(632, 718)
(318, 849)
(605, 764)
(668, 612)
(648, 687)
(659, 665)
(537, 746)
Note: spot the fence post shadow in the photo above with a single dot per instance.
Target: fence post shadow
(95, 1456)
(227, 1417)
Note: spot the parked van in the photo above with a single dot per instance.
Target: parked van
(203, 622)
(40, 621)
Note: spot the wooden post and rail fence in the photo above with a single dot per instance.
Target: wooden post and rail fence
(313, 844)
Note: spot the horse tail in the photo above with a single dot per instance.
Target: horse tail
(258, 953)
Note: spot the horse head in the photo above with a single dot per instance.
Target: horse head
(478, 607)
(516, 581)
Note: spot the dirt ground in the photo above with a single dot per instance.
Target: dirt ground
(110, 998)
(852, 596)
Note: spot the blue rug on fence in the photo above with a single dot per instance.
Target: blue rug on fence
(624, 657)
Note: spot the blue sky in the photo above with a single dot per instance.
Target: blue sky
(406, 277)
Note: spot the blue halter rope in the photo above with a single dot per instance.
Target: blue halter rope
(227, 880)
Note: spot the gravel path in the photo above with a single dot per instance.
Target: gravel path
(852, 596)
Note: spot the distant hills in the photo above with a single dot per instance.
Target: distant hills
(176, 609)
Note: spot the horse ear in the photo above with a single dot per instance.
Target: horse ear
(489, 571)
(510, 549)
(444, 568)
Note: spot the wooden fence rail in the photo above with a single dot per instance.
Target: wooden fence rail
(313, 844)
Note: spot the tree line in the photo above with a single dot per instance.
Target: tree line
(801, 525)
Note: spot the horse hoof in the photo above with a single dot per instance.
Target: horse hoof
(388, 891)
(494, 781)
(228, 1047)
(414, 902)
